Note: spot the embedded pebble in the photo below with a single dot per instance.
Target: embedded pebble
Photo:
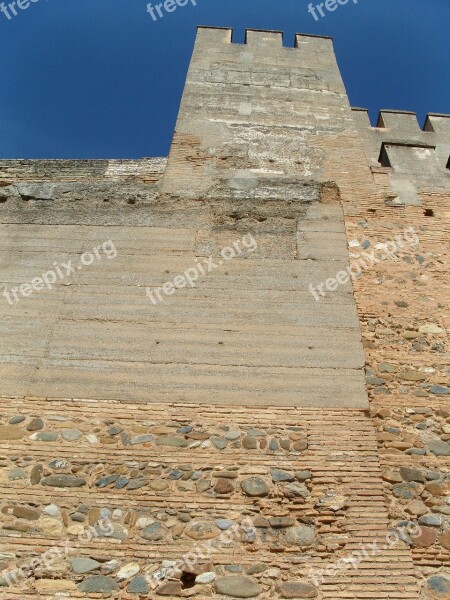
(71, 435)
(35, 425)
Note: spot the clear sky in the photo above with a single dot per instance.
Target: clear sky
(102, 79)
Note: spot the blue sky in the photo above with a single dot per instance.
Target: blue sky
(101, 79)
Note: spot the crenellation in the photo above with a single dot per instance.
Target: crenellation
(398, 120)
(264, 39)
(438, 123)
(214, 36)
(417, 159)
(362, 118)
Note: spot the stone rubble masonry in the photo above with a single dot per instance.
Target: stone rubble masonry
(327, 423)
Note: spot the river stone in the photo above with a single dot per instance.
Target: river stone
(128, 570)
(223, 524)
(107, 480)
(223, 486)
(300, 445)
(35, 425)
(142, 439)
(16, 474)
(97, 584)
(202, 530)
(426, 538)
(232, 435)
(112, 431)
(417, 507)
(431, 328)
(439, 448)
(116, 531)
(238, 586)
(439, 584)
(273, 446)
(249, 442)
(10, 432)
(333, 501)
(255, 487)
(153, 533)
(63, 481)
(280, 475)
(438, 488)
(82, 565)
(16, 420)
(44, 436)
(36, 474)
(303, 475)
(170, 440)
(302, 535)
(51, 510)
(158, 485)
(256, 433)
(137, 483)
(256, 568)
(71, 435)
(58, 464)
(121, 482)
(219, 442)
(411, 474)
(439, 390)
(297, 589)
(22, 512)
(444, 540)
(416, 451)
(409, 375)
(138, 585)
(375, 380)
(296, 489)
(205, 578)
(403, 490)
(185, 429)
(431, 520)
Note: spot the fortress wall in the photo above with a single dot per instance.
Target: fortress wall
(160, 415)
(416, 160)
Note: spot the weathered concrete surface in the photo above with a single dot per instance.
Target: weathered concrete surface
(98, 335)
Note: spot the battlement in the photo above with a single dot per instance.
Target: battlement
(398, 142)
(267, 38)
(403, 120)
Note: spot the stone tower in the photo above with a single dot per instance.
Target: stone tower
(223, 373)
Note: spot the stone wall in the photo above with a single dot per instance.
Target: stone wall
(417, 160)
(141, 438)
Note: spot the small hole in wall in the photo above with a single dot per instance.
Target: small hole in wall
(187, 580)
(372, 210)
(428, 212)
